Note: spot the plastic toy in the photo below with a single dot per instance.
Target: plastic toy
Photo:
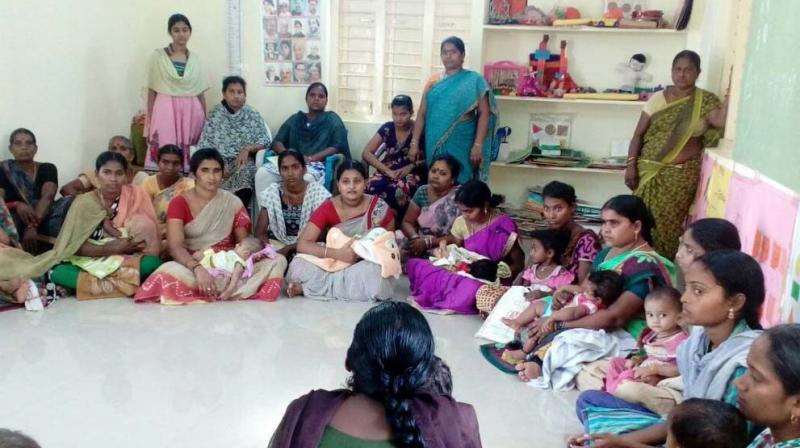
(633, 73)
(550, 72)
(504, 77)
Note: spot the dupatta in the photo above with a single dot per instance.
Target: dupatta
(163, 78)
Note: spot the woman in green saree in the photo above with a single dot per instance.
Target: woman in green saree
(458, 115)
(665, 153)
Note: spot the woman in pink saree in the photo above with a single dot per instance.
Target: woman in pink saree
(480, 229)
(208, 217)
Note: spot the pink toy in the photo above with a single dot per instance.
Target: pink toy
(551, 77)
(505, 77)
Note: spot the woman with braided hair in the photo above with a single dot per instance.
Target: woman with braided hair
(390, 401)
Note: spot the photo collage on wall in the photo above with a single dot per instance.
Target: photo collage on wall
(292, 43)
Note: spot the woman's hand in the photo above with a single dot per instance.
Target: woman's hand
(30, 240)
(562, 297)
(632, 176)
(205, 283)
(348, 255)
(413, 151)
(125, 246)
(392, 174)
(476, 155)
(27, 213)
(535, 294)
(406, 170)
(243, 157)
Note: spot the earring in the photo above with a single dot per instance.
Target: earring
(793, 419)
(731, 315)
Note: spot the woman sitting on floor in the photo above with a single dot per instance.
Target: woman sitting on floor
(388, 402)
(397, 177)
(353, 213)
(725, 291)
(287, 206)
(317, 134)
(204, 217)
(480, 228)
(167, 184)
(88, 181)
(29, 188)
(108, 244)
(238, 132)
(433, 208)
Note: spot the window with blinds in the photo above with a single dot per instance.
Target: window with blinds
(390, 47)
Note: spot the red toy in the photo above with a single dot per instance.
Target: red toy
(550, 77)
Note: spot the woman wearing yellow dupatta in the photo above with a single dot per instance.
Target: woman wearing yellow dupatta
(665, 152)
(176, 108)
(206, 217)
(167, 184)
(108, 242)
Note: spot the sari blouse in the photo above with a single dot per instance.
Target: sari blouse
(766, 440)
(179, 209)
(30, 192)
(326, 217)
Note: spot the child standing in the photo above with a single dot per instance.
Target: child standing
(636, 379)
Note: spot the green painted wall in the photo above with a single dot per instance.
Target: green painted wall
(768, 124)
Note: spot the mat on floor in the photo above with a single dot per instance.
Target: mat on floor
(494, 354)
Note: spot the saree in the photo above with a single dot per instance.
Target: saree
(229, 132)
(443, 422)
(135, 215)
(449, 99)
(767, 440)
(270, 200)
(7, 224)
(162, 197)
(175, 284)
(359, 282)
(311, 137)
(669, 189)
(436, 288)
(582, 247)
(705, 374)
(436, 219)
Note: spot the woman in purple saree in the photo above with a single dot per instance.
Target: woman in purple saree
(480, 229)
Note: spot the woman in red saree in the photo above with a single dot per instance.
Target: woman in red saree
(207, 217)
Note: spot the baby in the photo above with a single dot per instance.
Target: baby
(229, 263)
(599, 290)
(635, 379)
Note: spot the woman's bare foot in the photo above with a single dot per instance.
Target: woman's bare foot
(21, 294)
(529, 371)
(511, 323)
(294, 289)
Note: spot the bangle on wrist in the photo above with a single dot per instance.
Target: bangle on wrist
(326, 252)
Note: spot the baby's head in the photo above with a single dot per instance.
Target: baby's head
(484, 269)
(548, 245)
(701, 423)
(248, 247)
(662, 308)
(604, 285)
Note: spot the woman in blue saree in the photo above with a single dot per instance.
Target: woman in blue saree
(457, 114)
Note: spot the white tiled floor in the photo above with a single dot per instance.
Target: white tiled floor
(110, 373)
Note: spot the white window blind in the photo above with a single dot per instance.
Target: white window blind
(390, 47)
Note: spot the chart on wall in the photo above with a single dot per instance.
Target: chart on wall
(291, 30)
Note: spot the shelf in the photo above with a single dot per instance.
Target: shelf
(582, 29)
(538, 99)
(557, 168)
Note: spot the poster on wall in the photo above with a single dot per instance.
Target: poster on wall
(765, 217)
(292, 43)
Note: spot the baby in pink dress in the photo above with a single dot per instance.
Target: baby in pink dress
(659, 344)
(544, 275)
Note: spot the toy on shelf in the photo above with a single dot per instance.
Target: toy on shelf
(504, 77)
(633, 73)
(550, 133)
(550, 77)
(533, 16)
(621, 9)
(502, 12)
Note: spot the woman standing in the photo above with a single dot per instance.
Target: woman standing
(354, 213)
(238, 132)
(397, 177)
(769, 393)
(666, 150)
(457, 115)
(287, 206)
(176, 107)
